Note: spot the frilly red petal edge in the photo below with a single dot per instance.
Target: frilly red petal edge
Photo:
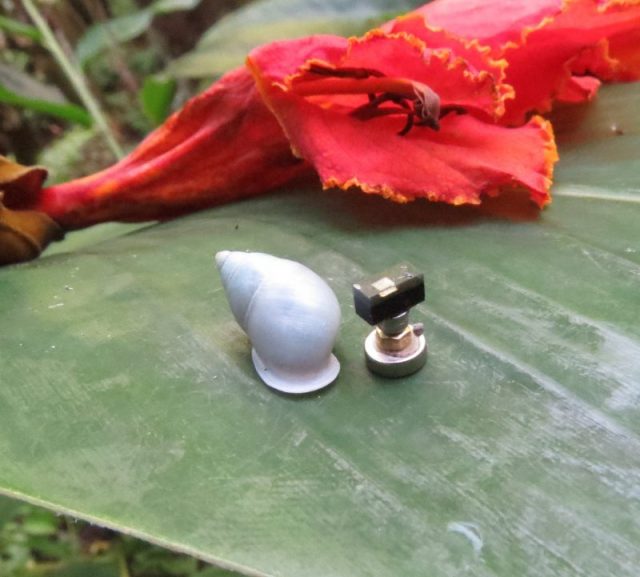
(469, 156)
(554, 48)
(438, 104)
(490, 179)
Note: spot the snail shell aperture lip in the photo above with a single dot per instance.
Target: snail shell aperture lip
(290, 314)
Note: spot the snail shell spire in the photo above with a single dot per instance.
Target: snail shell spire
(291, 317)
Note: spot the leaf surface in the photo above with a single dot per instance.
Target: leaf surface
(19, 89)
(156, 96)
(13, 26)
(128, 396)
(121, 29)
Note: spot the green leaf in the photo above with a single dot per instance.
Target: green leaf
(39, 523)
(156, 97)
(112, 32)
(19, 89)
(9, 508)
(124, 28)
(18, 28)
(65, 157)
(226, 44)
(167, 6)
(128, 395)
(93, 568)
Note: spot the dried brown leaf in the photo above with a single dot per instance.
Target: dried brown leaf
(24, 234)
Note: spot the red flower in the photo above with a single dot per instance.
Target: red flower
(555, 50)
(435, 104)
(356, 111)
(222, 145)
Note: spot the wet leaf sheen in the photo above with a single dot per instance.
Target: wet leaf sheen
(128, 395)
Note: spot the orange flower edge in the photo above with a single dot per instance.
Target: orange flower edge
(556, 50)
(436, 104)
(348, 116)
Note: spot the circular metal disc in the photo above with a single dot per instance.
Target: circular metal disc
(394, 365)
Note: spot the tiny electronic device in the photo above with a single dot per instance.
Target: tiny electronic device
(395, 348)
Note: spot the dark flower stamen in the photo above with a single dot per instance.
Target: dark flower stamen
(422, 107)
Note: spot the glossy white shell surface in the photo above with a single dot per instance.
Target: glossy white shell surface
(290, 314)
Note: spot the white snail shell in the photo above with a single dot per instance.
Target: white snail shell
(290, 315)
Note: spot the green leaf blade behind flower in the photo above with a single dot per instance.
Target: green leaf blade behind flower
(226, 44)
(13, 26)
(20, 89)
(124, 28)
(115, 31)
(610, 133)
(156, 96)
(128, 396)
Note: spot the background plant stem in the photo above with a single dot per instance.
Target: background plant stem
(75, 76)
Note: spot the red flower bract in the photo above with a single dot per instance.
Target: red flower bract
(344, 112)
(436, 104)
(223, 145)
(555, 50)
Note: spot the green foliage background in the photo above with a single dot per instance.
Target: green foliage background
(128, 398)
